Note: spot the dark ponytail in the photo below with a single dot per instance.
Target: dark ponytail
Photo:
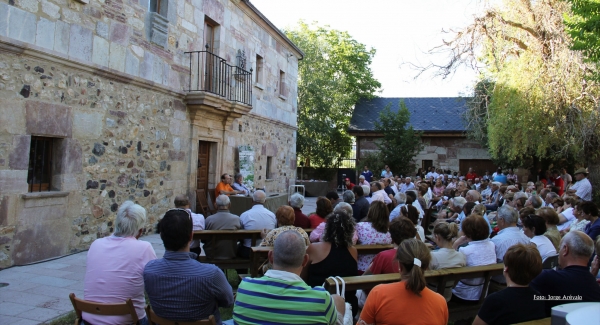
(408, 251)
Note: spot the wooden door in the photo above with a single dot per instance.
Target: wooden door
(203, 162)
(211, 62)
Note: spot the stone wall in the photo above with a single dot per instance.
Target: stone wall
(115, 105)
(445, 152)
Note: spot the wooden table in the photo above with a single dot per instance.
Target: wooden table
(241, 204)
(315, 188)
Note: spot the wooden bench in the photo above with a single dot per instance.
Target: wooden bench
(439, 277)
(259, 254)
(213, 235)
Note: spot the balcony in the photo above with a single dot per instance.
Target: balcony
(217, 90)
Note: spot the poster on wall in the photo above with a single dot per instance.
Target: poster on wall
(246, 154)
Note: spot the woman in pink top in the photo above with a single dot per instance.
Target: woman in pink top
(115, 266)
(439, 188)
(373, 232)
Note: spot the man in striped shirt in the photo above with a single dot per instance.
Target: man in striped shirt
(179, 287)
(281, 296)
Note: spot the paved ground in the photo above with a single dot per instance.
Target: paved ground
(39, 293)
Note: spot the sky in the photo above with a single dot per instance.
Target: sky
(402, 32)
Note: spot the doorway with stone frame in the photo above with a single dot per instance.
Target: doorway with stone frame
(206, 170)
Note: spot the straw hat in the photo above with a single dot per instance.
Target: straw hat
(581, 171)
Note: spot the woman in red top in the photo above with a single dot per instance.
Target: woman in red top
(324, 208)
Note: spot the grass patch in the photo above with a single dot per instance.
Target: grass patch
(68, 319)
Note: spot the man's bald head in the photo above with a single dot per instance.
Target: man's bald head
(473, 196)
(289, 250)
(259, 197)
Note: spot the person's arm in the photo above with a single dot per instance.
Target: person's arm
(478, 321)
(222, 291)
(460, 241)
(315, 235)
(595, 265)
(562, 219)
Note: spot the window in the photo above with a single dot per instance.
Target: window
(259, 70)
(268, 171)
(159, 24)
(39, 176)
(282, 86)
(158, 6)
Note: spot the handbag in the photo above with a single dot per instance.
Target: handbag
(348, 320)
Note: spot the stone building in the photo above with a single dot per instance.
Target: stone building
(444, 135)
(103, 101)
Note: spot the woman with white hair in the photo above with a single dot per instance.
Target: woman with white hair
(119, 260)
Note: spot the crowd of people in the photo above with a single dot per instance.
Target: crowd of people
(479, 221)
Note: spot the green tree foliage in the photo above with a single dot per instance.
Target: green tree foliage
(583, 25)
(399, 143)
(333, 76)
(541, 104)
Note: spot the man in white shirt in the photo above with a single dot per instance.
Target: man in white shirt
(239, 186)
(582, 188)
(379, 194)
(477, 183)
(257, 218)
(182, 202)
(508, 236)
(407, 185)
(386, 172)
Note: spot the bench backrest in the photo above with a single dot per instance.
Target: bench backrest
(209, 235)
(439, 277)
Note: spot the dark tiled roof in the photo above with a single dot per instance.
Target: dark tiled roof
(430, 115)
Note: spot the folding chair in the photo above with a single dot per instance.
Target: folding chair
(96, 308)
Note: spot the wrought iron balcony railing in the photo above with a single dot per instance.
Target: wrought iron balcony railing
(211, 73)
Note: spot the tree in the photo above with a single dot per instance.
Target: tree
(541, 103)
(399, 144)
(333, 76)
(584, 28)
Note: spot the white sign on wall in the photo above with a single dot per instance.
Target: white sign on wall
(246, 154)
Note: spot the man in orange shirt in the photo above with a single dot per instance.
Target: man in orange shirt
(224, 188)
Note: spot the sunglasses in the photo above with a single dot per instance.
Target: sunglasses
(180, 209)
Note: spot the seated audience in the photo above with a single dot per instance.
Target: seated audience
(400, 202)
(580, 222)
(297, 202)
(224, 186)
(401, 229)
(589, 210)
(573, 278)
(285, 221)
(182, 202)
(446, 257)
(509, 235)
(551, 218)
(534, 227)
(397, 303)
(438, 189)
(239, 186)
(378, 194)
(317, 233)
(596, 262)
(566, 216)
(515, 304)
(333, 197)
(180, 288)
(223, 249)
(479, 251)
(334, 255)
(324, 208)
(373, 231)
(282, 292)
(257, 218)
(362, 181)
(360, 208)
(410, 212)
(119, 260)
